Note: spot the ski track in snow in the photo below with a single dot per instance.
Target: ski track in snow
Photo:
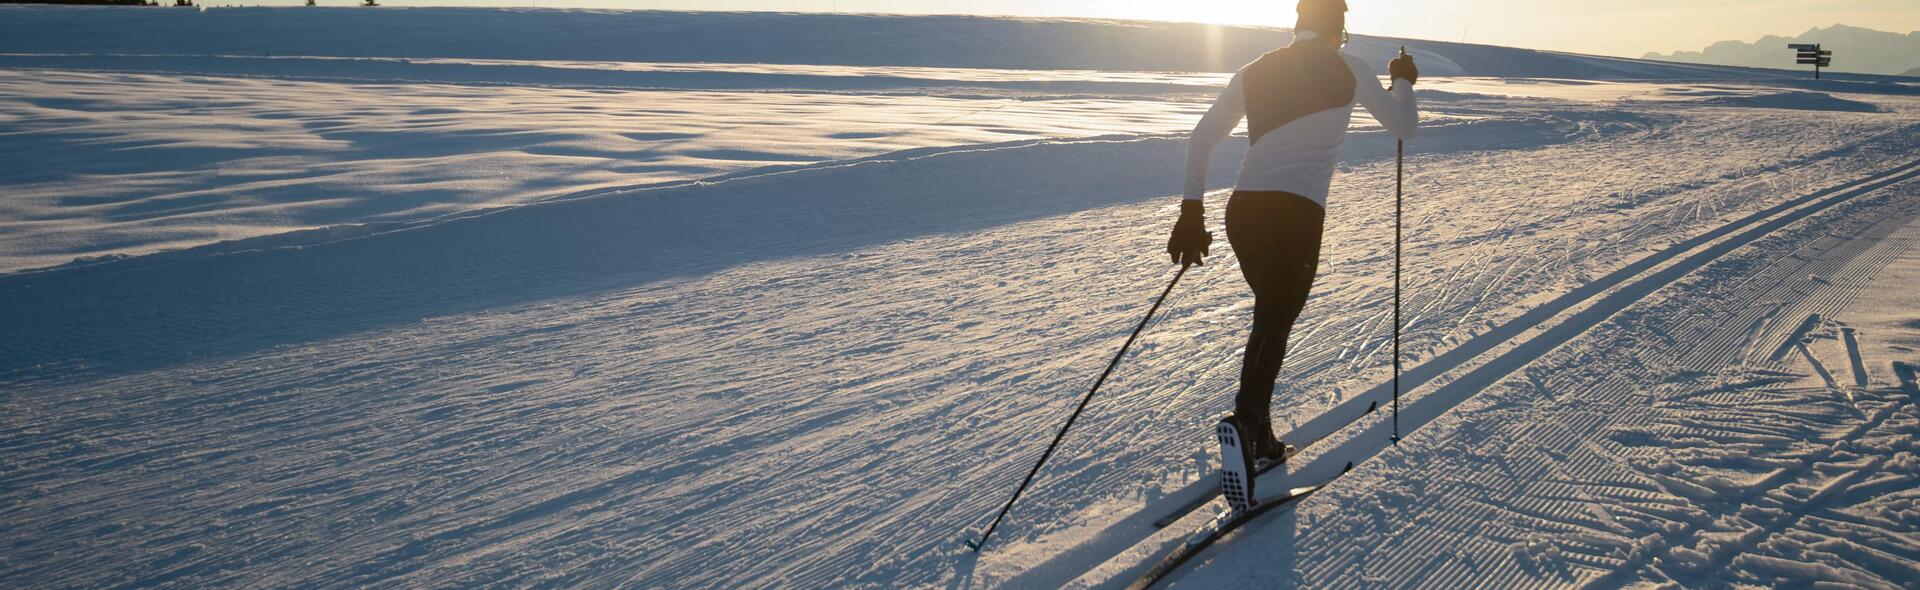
(1534, 333)
(827, 374)
(1691, 462)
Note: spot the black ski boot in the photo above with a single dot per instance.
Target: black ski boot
(1236, 464)
(1266, 450)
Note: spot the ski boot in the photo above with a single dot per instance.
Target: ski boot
(1265, 450)
(1236, 465)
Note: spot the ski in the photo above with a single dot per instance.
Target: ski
(1314, 431)
(1201, 501)
(1222, 524)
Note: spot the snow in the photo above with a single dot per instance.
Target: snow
(1723, 491)
(138, 163)
(810, 39)
(673, 300)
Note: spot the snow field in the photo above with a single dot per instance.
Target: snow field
(488, 400)
(544, 318)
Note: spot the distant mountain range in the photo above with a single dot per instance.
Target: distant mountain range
(1854, 49)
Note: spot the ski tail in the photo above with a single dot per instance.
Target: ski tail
(1306, 435)
(1200, 501)
(1215, 530)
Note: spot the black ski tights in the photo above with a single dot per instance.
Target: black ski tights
(1276, 236)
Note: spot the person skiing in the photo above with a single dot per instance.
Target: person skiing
(1297, 101)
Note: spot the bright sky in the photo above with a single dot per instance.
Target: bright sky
(1627, 28)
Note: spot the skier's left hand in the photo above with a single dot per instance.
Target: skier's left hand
(1402, 68)
(1190, 240)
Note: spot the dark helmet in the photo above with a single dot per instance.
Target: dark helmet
(1327, 17)
(1307, 6)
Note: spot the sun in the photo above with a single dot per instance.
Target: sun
(1363, 17)
(1270, 13)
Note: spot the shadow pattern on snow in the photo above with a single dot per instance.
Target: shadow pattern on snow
(232, 298)
(1806, 101)
(1481, 361)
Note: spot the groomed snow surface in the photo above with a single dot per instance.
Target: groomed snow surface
(638, 299)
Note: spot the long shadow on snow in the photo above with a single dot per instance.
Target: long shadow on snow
(169, 308)
(1629, 285)
(383, 71)
(1602, 300)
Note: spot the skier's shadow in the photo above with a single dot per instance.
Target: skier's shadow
(1266, 548)
(1283, 530)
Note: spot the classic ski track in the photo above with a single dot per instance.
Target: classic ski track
(1597, 301)
(1859, 267)
(1733, 188)
(1374, 346)
(1850, 254)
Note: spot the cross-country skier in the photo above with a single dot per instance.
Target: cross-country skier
(1297, 101)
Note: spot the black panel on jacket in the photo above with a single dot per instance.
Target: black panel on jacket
(1293, 82)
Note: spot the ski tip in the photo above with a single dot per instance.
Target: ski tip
(1349, 467)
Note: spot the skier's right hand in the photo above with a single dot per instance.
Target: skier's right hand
(1190, 239)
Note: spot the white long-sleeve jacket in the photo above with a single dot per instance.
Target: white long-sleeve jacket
(1298, 101)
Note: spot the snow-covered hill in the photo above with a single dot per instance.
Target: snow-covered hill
(814, 39)
(488, 304)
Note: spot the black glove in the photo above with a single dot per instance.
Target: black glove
(1190, 238)
(1402, 68)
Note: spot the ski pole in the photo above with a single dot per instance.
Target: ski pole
(977, 544)
(1399, 158)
